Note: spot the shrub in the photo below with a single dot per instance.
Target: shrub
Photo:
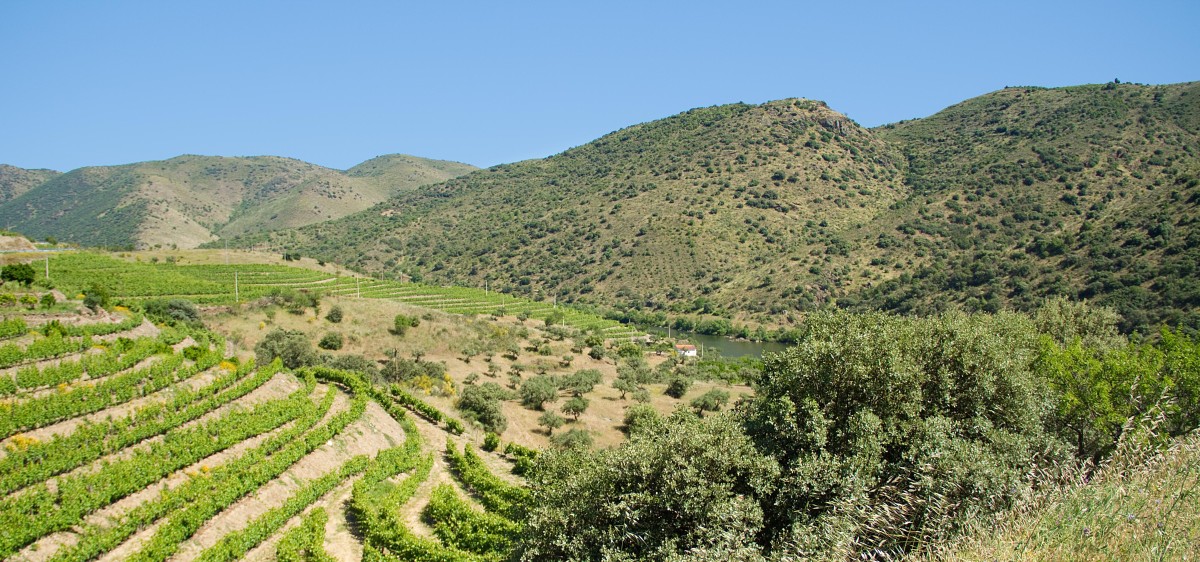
(638, 417)
(48, 300)
(400, 369)
(575, 407)
(581, 382)
(21, 273)
(95, 297)
(352, 362)
(678, 386)
(710, 401)
(481, 403)
(332, 341)
(938, 419)
(574, 439)
(491, 442)
(290, 346)
(335, 314)
(172, 311)
(551, 421)
(686, 486)
(401, 323)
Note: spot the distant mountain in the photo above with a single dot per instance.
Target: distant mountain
(756, 212)
(190, 200)
(15, 181)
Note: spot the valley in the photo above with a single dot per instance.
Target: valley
(980, 335)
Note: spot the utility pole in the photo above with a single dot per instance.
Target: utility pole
(47, 268)
(237, 297)
(357, 286)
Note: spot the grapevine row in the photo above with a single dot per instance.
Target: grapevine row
(266, 461)
(495, 494)
(235, 545)
(186, 521)
(39, 461)
(40, 509)
(305, 543)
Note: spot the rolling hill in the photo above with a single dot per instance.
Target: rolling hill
(189, 200)
(15, 181)
(755, 212)
(717, 210)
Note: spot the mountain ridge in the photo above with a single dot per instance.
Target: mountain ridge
(191, 199)
(757, 212)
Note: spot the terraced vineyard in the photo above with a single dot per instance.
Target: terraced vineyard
(153, 446)
(227, 284)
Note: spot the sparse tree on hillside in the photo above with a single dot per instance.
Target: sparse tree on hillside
(625, 386)
(551, 421)
(537, 391)
(575, 407)
(710, 401)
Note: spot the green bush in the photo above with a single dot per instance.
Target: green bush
(20, 273)
(678, 386)
(401, 323)
(710, 401)
(332, 341)
(574, 438)
(638, 417)
(481, 403)
(291, 347)
(173, 312)
(922, 423)
(536, 391)
(95, 297)
(335, 314)
(684, 486)
(575, 407)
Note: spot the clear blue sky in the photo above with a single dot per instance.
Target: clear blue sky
(336, 83)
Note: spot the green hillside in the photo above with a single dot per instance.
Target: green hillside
(188, 200)
(717, 210)
(15, 181)
(1089, 192)
(756, 213)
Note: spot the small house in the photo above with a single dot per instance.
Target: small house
(685, 350)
